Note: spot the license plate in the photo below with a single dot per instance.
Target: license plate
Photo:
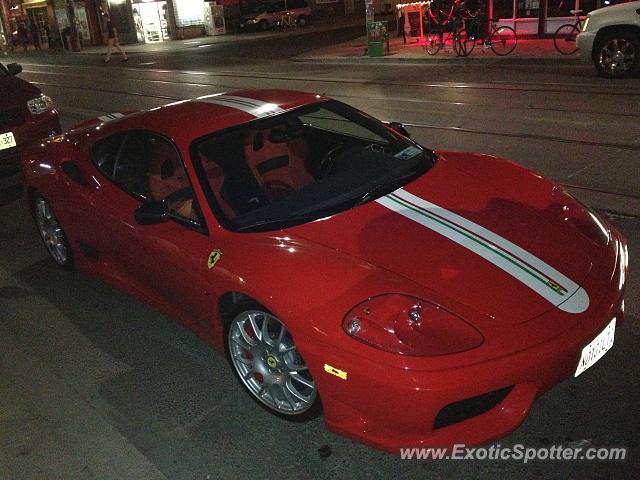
(597, 348)
(7, 140)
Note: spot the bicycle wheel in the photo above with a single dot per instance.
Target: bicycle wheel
(463, 44)
(432, 44)
(503, 40)
(565, 39)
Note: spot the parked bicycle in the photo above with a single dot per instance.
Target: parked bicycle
(502, 40)
(565, 37)
(287, 21)
(445, 28)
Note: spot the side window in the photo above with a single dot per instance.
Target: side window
(149, 166)
(105, 152)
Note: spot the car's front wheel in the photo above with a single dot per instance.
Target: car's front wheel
(52, 233)
(267, 362)
(618, 55)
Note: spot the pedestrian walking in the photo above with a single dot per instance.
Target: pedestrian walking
(35, 35)
(113, 41)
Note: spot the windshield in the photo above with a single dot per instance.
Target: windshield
(303, 165)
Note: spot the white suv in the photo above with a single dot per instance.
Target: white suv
(611, 39)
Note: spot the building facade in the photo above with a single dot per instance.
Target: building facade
(52, 20)
(540, 17)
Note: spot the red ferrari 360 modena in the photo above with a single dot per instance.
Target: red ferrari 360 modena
(417, 298)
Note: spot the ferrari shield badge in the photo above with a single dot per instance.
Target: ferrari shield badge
(213, 258)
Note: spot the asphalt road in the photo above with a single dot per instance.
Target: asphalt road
(94, 384)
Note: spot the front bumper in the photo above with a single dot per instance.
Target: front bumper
(390, 407)
(584, 42)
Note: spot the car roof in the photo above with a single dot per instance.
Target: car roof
(187, 120)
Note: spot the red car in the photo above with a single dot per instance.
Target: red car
(418, 298)
(26, 115)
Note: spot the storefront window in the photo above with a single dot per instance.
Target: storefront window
(528, 8)
(503, 9)
(189, 12)
(561, 8)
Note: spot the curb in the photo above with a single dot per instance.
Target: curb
(442, 60)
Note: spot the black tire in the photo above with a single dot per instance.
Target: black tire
(503, 40)
(302, 21)
(59, 248)
(231, 327)
(263, 26)
(432, 44)
(565, 39)
(617, 55)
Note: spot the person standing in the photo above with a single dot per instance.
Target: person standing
(23, 36)
(35, 35)
(401, 30)
(113, 41)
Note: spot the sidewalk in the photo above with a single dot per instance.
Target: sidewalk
(528, 51)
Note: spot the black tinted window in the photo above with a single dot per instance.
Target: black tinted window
(105, 152)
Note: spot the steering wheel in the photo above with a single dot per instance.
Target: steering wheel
(274, 190)
(328, 161)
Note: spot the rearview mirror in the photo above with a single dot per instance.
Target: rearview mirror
(152, 212)
(14, 68)
(399, 127)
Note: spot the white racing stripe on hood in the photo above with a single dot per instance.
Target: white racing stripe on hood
(110, 117)
(539, 276)
(254, 107)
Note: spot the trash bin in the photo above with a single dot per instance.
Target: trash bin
(376, 34)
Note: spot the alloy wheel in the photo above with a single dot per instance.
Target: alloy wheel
(269, 365)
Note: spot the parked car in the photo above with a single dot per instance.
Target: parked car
(426, 297)
(26, 115)
(610, 38)
(266, 15)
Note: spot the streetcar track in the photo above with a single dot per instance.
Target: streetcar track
(386, 98)
(529, 136)
(543, 87)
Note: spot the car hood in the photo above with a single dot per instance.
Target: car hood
(497, 243)
(620, 8)
(15, 92)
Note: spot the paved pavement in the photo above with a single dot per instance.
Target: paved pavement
(528, 51)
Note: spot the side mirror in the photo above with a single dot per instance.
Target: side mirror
(14, 68)
(398, 127)
(152, 212)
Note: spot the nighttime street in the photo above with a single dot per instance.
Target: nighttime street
(95, 384)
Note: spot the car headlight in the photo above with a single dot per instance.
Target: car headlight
(40, 104)
(586, 24)
(408, 325)
(583, 218)
(252, 20)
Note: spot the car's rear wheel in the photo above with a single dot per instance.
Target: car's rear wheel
(268, 364)
(618, 55)
(302, 21)
(52, 233)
